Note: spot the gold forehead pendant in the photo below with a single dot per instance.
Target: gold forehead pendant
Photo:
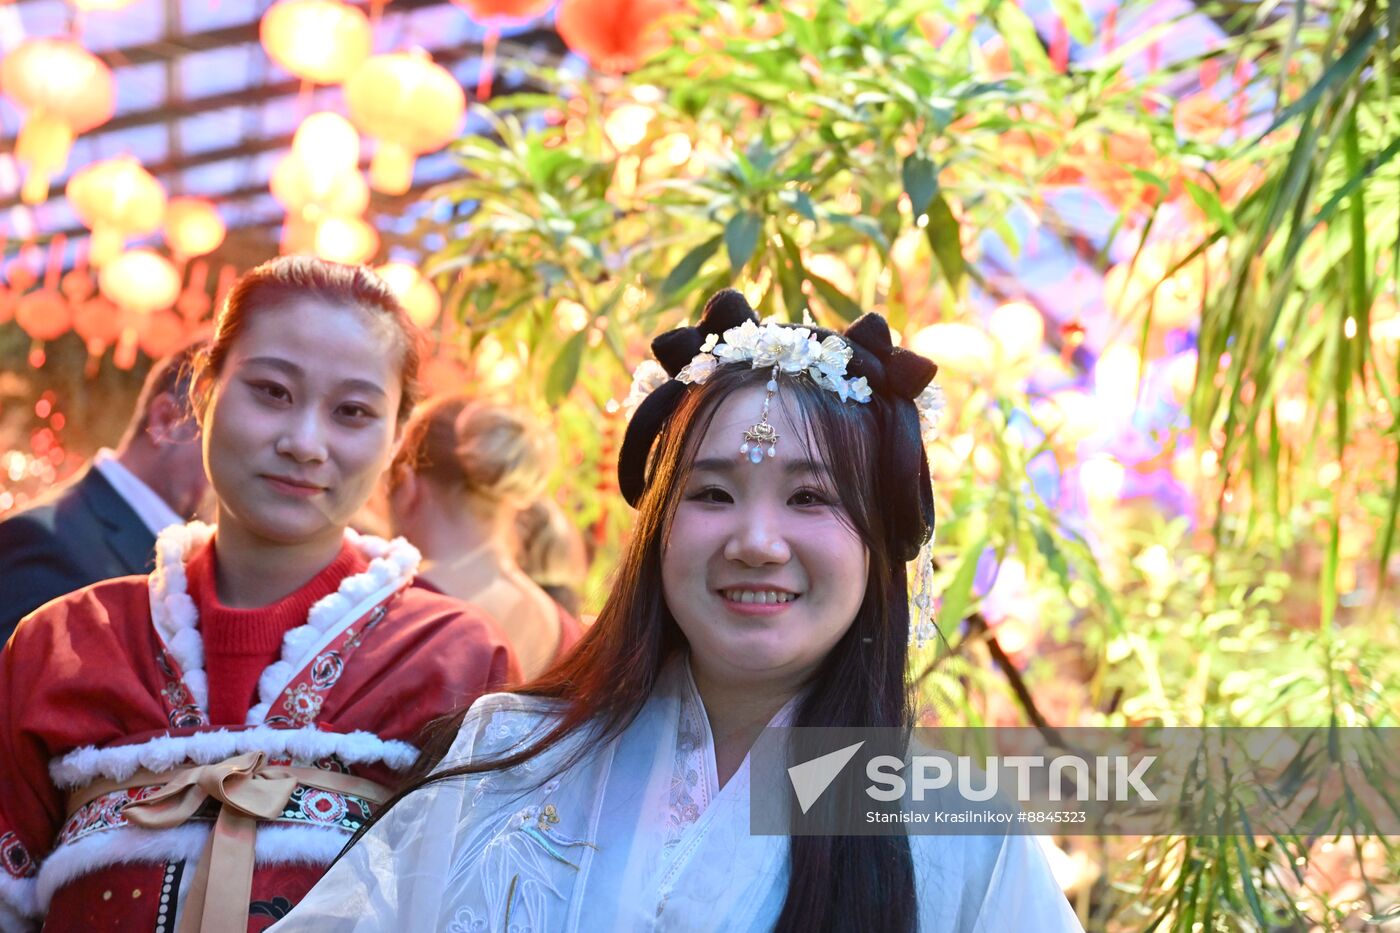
(762, 434)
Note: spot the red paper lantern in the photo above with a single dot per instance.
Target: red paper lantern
(98, 322)
(67, 91)
(44, 314)
(614, 35)
(504, 9)
(160, 334)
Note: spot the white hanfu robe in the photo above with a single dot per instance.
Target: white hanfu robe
(636, 836)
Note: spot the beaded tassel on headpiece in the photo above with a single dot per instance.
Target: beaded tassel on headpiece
(762, 434)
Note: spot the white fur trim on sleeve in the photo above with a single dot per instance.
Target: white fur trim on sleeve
(18, 904)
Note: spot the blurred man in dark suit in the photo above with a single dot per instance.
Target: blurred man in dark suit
(104, 522)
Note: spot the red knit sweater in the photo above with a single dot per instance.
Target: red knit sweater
(239, 644)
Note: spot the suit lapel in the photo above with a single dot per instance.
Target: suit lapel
(125, 535)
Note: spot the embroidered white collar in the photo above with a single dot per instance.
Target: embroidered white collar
(392, 564)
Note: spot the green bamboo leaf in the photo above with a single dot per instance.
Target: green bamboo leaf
(1247, 878)
(835, 298)
(1388, 542)
(920, 181)
(741, 238)
(1056, 561)
(1351, 62)
(563, 372)
(689, 265)
(955, 596)
(1329, 566)
(1071, 12)
(1209, 202)
(943, 235)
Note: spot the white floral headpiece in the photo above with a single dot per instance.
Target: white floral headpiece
(771, 345)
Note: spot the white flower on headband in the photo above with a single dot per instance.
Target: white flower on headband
(930, 403)
(646, 379)
(699, 370)
(790, 349)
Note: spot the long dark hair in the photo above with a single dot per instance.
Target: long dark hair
(836, 882)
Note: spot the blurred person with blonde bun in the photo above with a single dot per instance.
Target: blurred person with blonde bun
(553, 552)
(465, 472)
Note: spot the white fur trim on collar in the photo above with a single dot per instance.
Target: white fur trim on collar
(82, 766)
(126, 845)
(392, 565)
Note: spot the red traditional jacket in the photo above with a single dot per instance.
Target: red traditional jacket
(103, 698)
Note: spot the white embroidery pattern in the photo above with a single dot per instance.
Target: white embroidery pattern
(690, 780)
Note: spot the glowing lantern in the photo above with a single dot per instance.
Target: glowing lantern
(98, 322)
(301, 189)
(1018, 329)
(193, 227)
(44, 314)
(67, 91)
(116, 199)
(411, 106)
(321, 41)
(346, 239)
(961, 348)
(614, 35)
(140, 281)
(160, 334)
(504, 9)
(420, 299)
(327, 141)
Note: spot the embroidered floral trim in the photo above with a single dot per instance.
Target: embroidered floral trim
(307, 805)
(19, 864)
(392, 565)
(690, 783)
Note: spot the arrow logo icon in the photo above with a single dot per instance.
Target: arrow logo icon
(811, 778)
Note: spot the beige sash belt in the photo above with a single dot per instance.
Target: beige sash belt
(248, 789)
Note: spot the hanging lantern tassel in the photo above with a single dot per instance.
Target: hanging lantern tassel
(391, 168)
(43, 145)
(66, 91)
(488, 64)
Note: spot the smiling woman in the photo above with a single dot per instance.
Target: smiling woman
(278, 664)
(781, 487)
